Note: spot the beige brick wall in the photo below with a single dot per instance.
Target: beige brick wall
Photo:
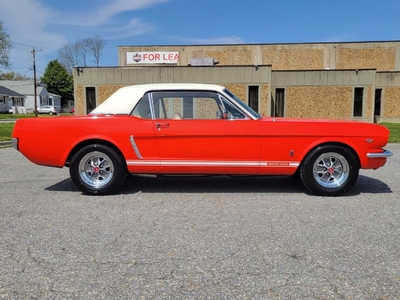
(265, 105)
(294, 59)
(314, 56)
(80, 101)
(319, 102)
(105, 91)
(227, 57)
(238, 89)
(369, 107)
(383, 59)
(391, 105)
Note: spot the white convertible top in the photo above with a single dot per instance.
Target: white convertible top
(125, 99)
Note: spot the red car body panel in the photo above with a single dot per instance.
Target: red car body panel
(267, 146)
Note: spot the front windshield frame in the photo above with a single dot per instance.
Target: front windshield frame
(242, 105)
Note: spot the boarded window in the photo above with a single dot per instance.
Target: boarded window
(253, 97)
(378, 98)
(278, 109)
(90, 99)
(358, 102)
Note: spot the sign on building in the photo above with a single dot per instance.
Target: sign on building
(152, 58)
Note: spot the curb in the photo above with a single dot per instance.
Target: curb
(5, 144)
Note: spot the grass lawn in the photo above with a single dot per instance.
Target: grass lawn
(32, 115)
(394, 132)
(6, 128)
(6, 131)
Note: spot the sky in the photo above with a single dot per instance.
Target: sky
(48, 25)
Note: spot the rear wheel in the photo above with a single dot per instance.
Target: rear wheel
(330, 170)
(97, 169)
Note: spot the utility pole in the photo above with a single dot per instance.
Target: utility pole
(34, 79)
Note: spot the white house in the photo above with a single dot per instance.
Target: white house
(27, 88)
(54, 100)
(11, 101)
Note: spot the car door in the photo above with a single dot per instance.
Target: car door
(199, 132)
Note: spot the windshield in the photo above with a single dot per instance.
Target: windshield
(243, 105)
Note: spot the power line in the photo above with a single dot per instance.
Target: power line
(30, 46)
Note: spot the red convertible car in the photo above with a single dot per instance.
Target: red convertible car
(185, 129)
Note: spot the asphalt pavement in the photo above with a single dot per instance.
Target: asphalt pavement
(197, 237)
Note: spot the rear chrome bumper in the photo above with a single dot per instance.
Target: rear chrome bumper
(384, 154)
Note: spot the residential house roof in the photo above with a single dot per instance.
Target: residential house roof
(24, 87)
(54, 95)
(9, 92)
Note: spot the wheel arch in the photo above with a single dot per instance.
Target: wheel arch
(91, 142)
(330, 143)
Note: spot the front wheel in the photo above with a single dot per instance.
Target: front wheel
(97, 169)
(330, 170)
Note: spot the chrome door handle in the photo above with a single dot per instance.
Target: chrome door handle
(162, 125)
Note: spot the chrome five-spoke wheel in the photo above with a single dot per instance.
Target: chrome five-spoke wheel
(97, 169)
(330, 170)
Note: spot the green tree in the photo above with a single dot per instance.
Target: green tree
(5, 45)
(58, 80)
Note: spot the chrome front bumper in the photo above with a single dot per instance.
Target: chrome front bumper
(384, 154)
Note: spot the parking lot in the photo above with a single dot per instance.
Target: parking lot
(197, 237)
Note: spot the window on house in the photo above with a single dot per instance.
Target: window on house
(278, 104)
(378, 98)
(253, 97)
(90, 99)
(358, 102)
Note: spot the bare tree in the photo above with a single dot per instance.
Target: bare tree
(96, 45)
(13, 76)
(69, 56)
(75, 53)
(83, 46)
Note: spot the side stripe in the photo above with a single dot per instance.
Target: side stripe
(189, 163)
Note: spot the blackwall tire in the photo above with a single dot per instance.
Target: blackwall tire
(330, 170)
(97, 170)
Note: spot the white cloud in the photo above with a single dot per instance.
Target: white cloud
(105, 13)
(133, 28)
(27, 29)
(27, 25)
(32, 24)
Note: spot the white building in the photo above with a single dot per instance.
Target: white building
(11, 101)
(27, 88)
